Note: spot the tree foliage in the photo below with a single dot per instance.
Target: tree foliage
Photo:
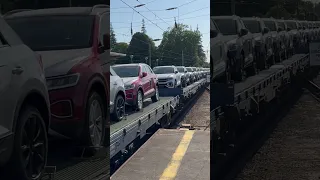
(120, 47)
(178, 40)
(113, 39)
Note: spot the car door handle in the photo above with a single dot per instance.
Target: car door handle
(17, 70)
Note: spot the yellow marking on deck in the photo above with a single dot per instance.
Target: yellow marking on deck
(172, 169)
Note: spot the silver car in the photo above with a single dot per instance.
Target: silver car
(117, 97)
(24, 111)
(168, 76)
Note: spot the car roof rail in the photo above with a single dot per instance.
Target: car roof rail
(99, 6)
(16, 11)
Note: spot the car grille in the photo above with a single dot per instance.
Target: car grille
(162, 80)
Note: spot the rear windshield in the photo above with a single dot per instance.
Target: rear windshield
(252, 25)
(227, 26)
(54, 32)
(126, 71)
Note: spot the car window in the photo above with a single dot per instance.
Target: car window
(149, 68)
(126, 71)
(227, 26)
(144, 69)
(252, 25)
(271, 25)
(212, 25)
(163, 70)
(104, 28)
(54, 32)
(292, 25)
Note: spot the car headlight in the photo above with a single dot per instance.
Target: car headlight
(129, 86)
(63, 81)
(233, 47)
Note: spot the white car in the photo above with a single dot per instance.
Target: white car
(117, 96)
(168, 76)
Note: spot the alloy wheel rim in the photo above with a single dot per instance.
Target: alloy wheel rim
(120, 108)
(33, 147)
(157, 93)
(95, 123)
(140, 100)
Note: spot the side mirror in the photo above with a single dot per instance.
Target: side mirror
(213, 33)
(288, 29)
(185, 71)
(176, 72)
(265, 30)
(280, 29)
(144, 74)
(304, 28)
(243, 32)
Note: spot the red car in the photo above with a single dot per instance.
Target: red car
(74, 43)
(140, 83)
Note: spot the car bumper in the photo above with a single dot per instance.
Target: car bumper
(67, 111)
(131, 96)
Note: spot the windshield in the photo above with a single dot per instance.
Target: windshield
(180, 69)
(227, 26)
(292, 25)
(252, 25)
(163, 70)
(271, 25)
(189, 69)
(54, 32)
(126, 71)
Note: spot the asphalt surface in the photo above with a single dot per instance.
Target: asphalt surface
(292, 151)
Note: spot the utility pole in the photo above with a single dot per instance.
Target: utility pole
(150, 54)
(233, 7)
(182, 59)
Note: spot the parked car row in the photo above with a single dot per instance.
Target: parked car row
(53, 77)
(243, 46)
(131, 84)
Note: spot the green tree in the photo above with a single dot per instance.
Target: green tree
(143, 27)
(178, 40)
(120, 47)
(139, 47)
(113, 39)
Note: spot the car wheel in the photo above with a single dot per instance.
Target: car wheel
(94, 131)
(139, 103)
(155, 97)
(119, 108)
(30, 151)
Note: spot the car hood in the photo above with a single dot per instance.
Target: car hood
(129, 80)
(59, 62)
(164, 76)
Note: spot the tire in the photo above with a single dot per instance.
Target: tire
(15, 165)
(155, 97)
(94, 103)
(119, 109)
(139, 105)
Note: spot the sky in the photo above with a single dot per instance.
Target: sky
(157, 19)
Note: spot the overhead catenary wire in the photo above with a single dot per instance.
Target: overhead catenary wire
(153, 20)
(150, 20)
(160, 22)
